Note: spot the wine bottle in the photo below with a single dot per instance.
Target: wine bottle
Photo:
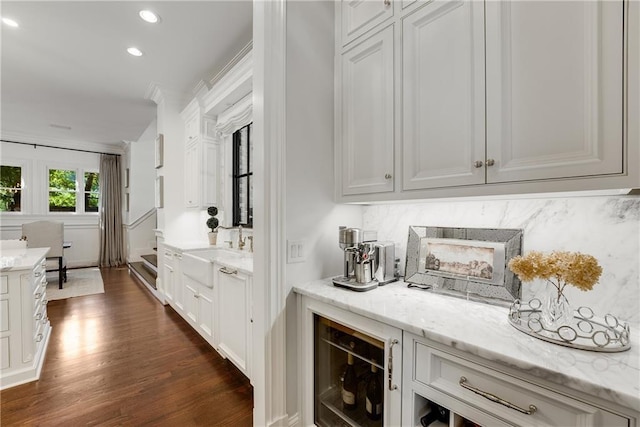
(438, 413)
(350, 383)
(374, 395)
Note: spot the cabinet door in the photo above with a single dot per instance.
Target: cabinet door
(168, 276)
(443, 95)
(359, 16)
(554, 89)
(233, 336)
(209, 174)
(192, 174)
(190, 288)
(367, 110)
(178, 287)
(206, 313)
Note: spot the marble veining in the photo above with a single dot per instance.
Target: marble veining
(606, 227)
(24, 259)
(484, 330)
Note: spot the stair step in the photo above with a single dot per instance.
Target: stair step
(144, 273)
(151, 259)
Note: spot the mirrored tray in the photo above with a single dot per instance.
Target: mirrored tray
(585, 331)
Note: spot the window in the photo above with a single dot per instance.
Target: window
(91, 192)
(62, 190)
(243, 177)
(63, 196)
(10, 188)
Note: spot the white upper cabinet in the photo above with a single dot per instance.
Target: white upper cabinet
(443, 95)
(359, 16)
(475, 98)
(367, 115)
(554, 89)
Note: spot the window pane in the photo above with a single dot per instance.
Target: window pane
(243, 152)
(10, 188)
(61, 180)
(62, 201)
(91, 202)
(91, 181)
(242, 199)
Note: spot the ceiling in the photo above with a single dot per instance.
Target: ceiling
(66, 65)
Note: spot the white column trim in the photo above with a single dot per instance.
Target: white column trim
(269, 379)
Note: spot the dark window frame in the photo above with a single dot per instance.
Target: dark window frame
(237, 177)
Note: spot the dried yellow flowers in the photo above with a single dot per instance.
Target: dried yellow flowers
(560, 268)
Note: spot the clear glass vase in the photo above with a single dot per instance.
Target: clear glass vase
(556, 310)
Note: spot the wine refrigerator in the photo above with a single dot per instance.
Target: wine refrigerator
(350, 369)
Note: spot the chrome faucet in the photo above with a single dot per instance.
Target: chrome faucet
(251, 243)
(241, 241)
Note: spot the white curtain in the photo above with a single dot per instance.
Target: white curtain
(111, 236)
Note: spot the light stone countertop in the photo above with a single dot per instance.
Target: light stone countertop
(22, 259)
(232, 258)
(484, 330)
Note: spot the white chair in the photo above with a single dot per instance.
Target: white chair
(42, 234)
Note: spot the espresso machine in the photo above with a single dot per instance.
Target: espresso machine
(367, 263)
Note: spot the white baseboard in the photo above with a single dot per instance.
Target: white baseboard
(294, 420)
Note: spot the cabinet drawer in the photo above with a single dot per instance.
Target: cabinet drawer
(480, 386)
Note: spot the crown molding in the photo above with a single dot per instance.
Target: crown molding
(242, 54)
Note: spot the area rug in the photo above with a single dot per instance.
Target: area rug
(80, 282)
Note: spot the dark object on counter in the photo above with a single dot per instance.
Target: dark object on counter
(437, 413)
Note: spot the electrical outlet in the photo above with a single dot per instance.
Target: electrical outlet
(296, 251)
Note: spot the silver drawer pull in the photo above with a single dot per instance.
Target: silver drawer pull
(226, 270)
(494, 398)
(38, 316)
(39, 338)
(38, 295)
(38, 274)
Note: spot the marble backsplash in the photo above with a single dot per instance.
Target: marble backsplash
(606, 227)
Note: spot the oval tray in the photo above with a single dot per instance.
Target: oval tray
(585, 332)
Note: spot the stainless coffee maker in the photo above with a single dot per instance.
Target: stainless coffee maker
(367, 263)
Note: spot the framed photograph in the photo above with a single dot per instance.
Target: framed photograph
(126, 178)
(467, 262)
(160, 192)
(159, 150)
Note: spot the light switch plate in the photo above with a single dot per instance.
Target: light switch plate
(296, 251)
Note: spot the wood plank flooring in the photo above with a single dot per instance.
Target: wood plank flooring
(121, 358)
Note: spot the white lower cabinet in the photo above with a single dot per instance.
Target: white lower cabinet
(466, 391)
(199, 307)
(24, 324)
(234, 316)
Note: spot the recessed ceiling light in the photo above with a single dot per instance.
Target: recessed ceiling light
(134, 51)
(10, 22)
(149, 16)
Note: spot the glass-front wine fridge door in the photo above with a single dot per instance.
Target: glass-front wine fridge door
(348, 376)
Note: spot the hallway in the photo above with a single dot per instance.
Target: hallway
(121, 358)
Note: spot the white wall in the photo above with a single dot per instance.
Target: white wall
(311, 214)
(81, 229)
(178, 223)
(140, 160)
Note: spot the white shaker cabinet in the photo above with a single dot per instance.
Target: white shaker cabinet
(443, 95)
(554, 89)
(199, 307)
(366, 119)
(201, 181)
(234, 317)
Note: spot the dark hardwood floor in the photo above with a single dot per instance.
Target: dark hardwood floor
(121, 358)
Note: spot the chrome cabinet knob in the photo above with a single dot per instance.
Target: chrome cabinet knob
(477, 164)
(387, 176)
(491, 162)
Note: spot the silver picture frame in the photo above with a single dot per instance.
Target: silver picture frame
(464, 262)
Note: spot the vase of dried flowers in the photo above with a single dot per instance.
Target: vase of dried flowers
(558, 269)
